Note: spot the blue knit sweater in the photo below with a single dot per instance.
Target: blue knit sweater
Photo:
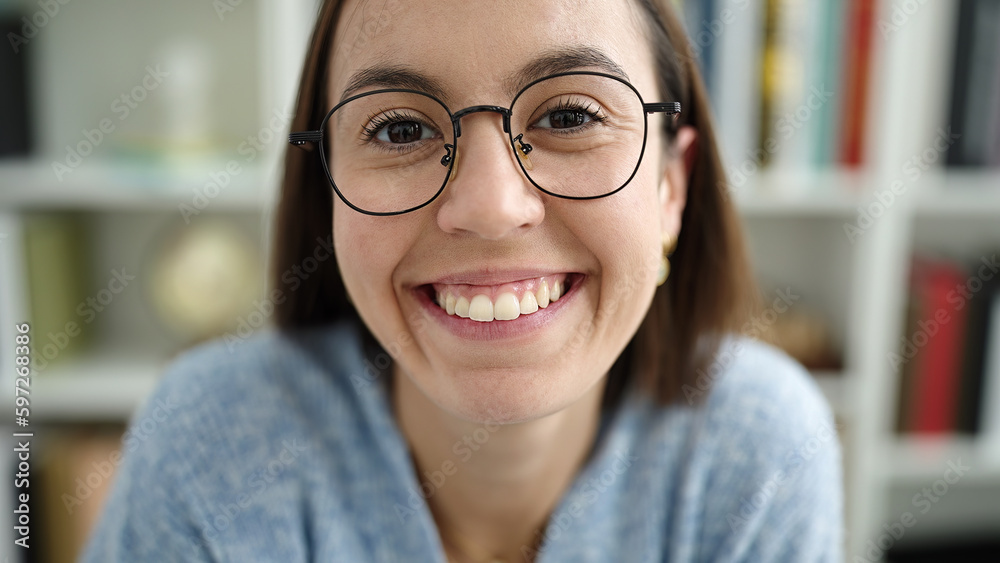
(285, 449)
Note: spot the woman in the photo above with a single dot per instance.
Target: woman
(482, 352)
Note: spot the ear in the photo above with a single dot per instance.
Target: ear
(674, 184)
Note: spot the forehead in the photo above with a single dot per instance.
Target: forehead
(476, 50)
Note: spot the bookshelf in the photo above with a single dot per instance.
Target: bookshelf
(229, 83)
(793, 218)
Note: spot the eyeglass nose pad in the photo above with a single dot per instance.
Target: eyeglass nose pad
(451, 155)
(522, 151)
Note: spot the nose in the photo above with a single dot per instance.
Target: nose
(488, 195)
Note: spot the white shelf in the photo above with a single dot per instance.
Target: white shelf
(956, 193)
(820, 193)
(110, 185)
(925, 459)
(960, 194)
(94, 388)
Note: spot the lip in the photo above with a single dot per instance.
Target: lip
(487, 277)
(521, 327)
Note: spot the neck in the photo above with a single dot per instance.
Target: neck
(492, 487)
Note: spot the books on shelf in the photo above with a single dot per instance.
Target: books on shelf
(792, 82)
(788, 79)
(975, 99)
(15, 135)
(56, 260)
(786, 124)
(949, 354)
(739, 31)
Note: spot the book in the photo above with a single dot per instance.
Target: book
(15, 109)
(704, 29)
(989, 408)
(938, 337)
(56, 248)
(857, 61)
(992, 123)
(904, 383)
(827, 76)
(736, 85)
(971, 397)
(790, 92)
(982, 80)
(976, 85)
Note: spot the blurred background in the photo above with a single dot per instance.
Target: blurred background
(138, 176)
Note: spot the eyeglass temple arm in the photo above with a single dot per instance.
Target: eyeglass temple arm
(665, 107)
(300, 138)
(672, 109)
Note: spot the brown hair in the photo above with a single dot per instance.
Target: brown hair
(710, 292)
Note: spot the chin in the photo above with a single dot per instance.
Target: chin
(507, 396)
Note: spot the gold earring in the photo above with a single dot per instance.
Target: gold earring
(668, 249)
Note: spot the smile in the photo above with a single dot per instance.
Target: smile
(505, 302)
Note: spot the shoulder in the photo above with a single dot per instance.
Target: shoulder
(224, 450)
(752, 413)
(764, 412)
(263, 368)
(768, 458)
(759, 393)
(215, 458)
(256, 355)
(229, 398)
(237, 364)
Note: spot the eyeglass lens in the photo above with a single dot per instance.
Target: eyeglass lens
(582, 136)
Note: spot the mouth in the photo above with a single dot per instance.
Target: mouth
(499, 303)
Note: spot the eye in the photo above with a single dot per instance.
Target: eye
(404, 132)
(569, 114)
(396, 128)
(563, 119)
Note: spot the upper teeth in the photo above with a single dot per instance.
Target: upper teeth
(506, 307)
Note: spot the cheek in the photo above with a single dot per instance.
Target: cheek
(631, 250)
(631, 234)
(369, 251)
(350, 246)
(367, 258)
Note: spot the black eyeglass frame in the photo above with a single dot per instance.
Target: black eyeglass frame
(300, 138)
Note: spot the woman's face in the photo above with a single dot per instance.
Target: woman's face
(491, 233)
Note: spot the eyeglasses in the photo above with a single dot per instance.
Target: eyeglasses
(576, 135)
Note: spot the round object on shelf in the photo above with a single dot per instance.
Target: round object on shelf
(204, 278)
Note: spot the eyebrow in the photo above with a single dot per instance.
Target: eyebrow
(563, 60)
(550, 62)
(391, 76)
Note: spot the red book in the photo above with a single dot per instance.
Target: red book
(860, 23)
(938, 337)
